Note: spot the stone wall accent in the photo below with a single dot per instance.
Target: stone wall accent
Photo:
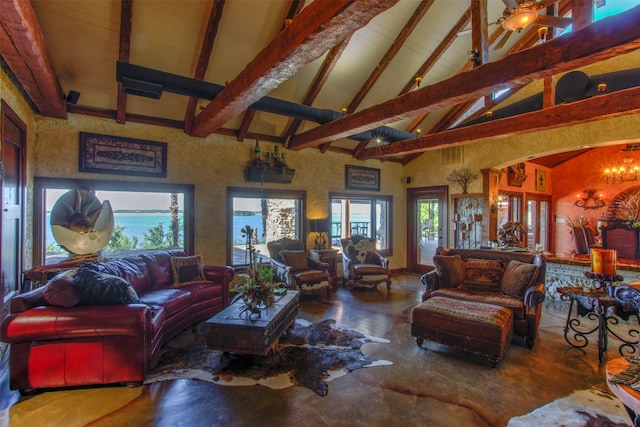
(559, 274)
(280, 219)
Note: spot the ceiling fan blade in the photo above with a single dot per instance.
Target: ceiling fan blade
(553, 21)
(468, 30)
(543, 3)
(503, 40)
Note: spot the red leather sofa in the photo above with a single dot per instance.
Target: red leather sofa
(53, 346)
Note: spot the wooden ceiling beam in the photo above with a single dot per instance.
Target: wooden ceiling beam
(126, 25)
(23, 48)
(402, 37)
(605, 39)
(319, 80)
(295, 8)
(319, 27)
(215, 16)
(439, 51)
(599, 107)
(480, 30)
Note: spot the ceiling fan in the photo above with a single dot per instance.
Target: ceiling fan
(519, 14)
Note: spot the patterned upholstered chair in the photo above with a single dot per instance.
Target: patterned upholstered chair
(362, 265)
(292, 266)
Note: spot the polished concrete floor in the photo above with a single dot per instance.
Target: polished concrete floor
(429, 386)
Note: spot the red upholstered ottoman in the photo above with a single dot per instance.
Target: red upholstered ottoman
(478, 328)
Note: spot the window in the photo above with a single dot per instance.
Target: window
(363, 215)
(273, 214)
(146, 216)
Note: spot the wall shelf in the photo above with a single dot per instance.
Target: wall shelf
(267, 174)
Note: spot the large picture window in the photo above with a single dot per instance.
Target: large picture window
(147, 216)
(368, 216)
(273, 214)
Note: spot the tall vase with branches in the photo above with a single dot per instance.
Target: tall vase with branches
(256, 285)
(462, 177)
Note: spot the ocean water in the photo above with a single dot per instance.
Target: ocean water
(139, 224)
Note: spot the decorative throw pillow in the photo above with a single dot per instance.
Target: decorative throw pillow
(482, 274)
(187, 270)
(296, 259)
(98, 288)
(518, 277)
(60, 290)
(449, 270)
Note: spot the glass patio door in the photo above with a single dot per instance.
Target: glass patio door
(538, 219)
(427, 228)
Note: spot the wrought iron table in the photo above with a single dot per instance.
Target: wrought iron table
(595, 305)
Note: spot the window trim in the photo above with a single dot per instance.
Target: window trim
(372, 198)
(39, 202)
(259, 193)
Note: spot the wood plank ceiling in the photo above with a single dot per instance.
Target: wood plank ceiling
(416, 67)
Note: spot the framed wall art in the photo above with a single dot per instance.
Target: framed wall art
(122, 156)
(361, 178)
(541, 180)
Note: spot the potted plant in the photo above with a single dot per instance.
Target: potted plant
(256, 286)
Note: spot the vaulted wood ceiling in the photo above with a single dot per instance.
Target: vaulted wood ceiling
(399, 64)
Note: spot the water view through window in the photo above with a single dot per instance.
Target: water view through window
(142, 221)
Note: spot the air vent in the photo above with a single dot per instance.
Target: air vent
(452, 155)
(141, 88)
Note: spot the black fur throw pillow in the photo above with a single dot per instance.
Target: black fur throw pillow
(96, 288)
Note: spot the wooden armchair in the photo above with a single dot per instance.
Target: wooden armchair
(362, 265)
(292, 266)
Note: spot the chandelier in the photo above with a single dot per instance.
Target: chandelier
(626, 171)
(519, 18)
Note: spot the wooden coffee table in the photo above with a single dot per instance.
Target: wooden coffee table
(235, 332)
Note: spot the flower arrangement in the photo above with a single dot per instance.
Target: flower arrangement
(255, 286)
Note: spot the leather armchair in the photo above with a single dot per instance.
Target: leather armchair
(296, 270)
(362, 265)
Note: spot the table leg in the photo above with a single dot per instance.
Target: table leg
(603, 329)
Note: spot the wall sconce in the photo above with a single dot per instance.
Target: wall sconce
(418, 81)
(624, 172)
(542, 33)
(344, 111)
(602, 87)
(589, 199)
(498, 198)
(418, 132)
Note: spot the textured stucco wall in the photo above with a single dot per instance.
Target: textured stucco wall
(212, 164)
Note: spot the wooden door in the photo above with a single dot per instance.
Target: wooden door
(13, 132)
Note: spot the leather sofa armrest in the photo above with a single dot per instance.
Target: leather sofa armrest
(27, 300)
(534, 295)
(49, 323)
(317, 265)
(219, 274)
(431, 282)
(223, 275)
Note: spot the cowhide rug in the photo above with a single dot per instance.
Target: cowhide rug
(311, 355)
(595, 407)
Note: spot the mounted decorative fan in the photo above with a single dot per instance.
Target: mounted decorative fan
(80, 223)
(520, 14)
